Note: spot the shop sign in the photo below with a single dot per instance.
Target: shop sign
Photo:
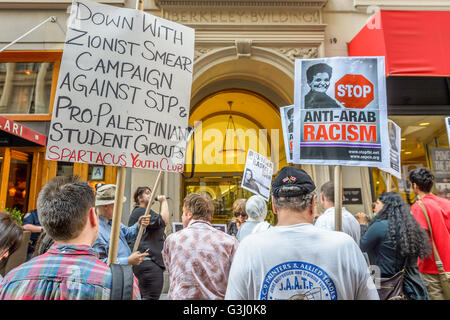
(123, 92)
(21, 131)
(352, 196)
(340, 115)
(257, 177)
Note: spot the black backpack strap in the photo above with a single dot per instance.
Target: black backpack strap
(122, 282)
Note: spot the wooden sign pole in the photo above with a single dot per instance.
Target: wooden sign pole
(147, 211)
(338, 198)
(117, 215)
(389, 183)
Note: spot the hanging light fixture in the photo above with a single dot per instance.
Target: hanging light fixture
(230, 133)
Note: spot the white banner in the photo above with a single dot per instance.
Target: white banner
(257, 177)
(395, 144)
(340, 113)
(123, 92)
(287, 124)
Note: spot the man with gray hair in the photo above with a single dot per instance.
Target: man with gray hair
(256, 209)
(294, 259)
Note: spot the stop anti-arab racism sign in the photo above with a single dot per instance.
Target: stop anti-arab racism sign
(123, 90)
(340, 113)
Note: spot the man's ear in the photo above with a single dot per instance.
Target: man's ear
(5, 255)
(313, 203)
(93, 218)
(273, 207)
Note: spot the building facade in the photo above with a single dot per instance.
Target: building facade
(243, 73)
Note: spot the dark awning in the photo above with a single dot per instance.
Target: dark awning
(14, 134)
(414, 43)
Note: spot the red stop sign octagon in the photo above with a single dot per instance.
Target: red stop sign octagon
(354, 91)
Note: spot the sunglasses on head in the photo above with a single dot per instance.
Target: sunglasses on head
(237, 214)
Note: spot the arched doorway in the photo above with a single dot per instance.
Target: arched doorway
(227, 124)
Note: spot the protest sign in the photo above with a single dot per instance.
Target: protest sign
(257, 176)
(440, 158)
(287, 124)
(395, 148)
(340, 115)
(447, 122)
(123, 91)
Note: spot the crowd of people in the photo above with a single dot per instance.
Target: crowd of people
(302, 257)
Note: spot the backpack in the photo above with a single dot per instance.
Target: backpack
(122, 282)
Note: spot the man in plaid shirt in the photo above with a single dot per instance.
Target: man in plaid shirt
(70, 270)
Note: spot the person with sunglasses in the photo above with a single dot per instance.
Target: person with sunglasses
(240, 216)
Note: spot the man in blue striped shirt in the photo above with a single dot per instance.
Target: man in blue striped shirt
(104, 203)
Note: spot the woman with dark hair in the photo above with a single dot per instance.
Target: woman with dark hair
(10, 236)
(150, 272)
(395, 240)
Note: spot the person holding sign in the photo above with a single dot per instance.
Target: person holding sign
(198, 257)
(104, 203)
(318, 77)
(326, 220)
(70, 270)
(150, 271)
(294, 259)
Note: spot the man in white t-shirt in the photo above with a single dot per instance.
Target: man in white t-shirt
(326, 220)
(294, 259)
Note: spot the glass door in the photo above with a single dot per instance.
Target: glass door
(19, 181)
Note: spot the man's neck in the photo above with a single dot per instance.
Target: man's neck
(75, 242)
(421, 194)
(289, 217)
(327, 205)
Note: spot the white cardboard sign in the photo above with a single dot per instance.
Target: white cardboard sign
(257, 177)
(340, 115)
(287, 124)
(123, 90)
(395, 167)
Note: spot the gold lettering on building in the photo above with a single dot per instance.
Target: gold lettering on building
(227, 16)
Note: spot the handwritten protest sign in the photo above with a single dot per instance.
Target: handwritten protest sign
(395, 148)
(440, 158)
(123, 90)
(340, 113)
(257, 174)
(287, 124)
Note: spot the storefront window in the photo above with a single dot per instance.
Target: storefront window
(223, 191)
(64, 169)
(420, 134)
(25, 87)
(19, 177)
(96, 174)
